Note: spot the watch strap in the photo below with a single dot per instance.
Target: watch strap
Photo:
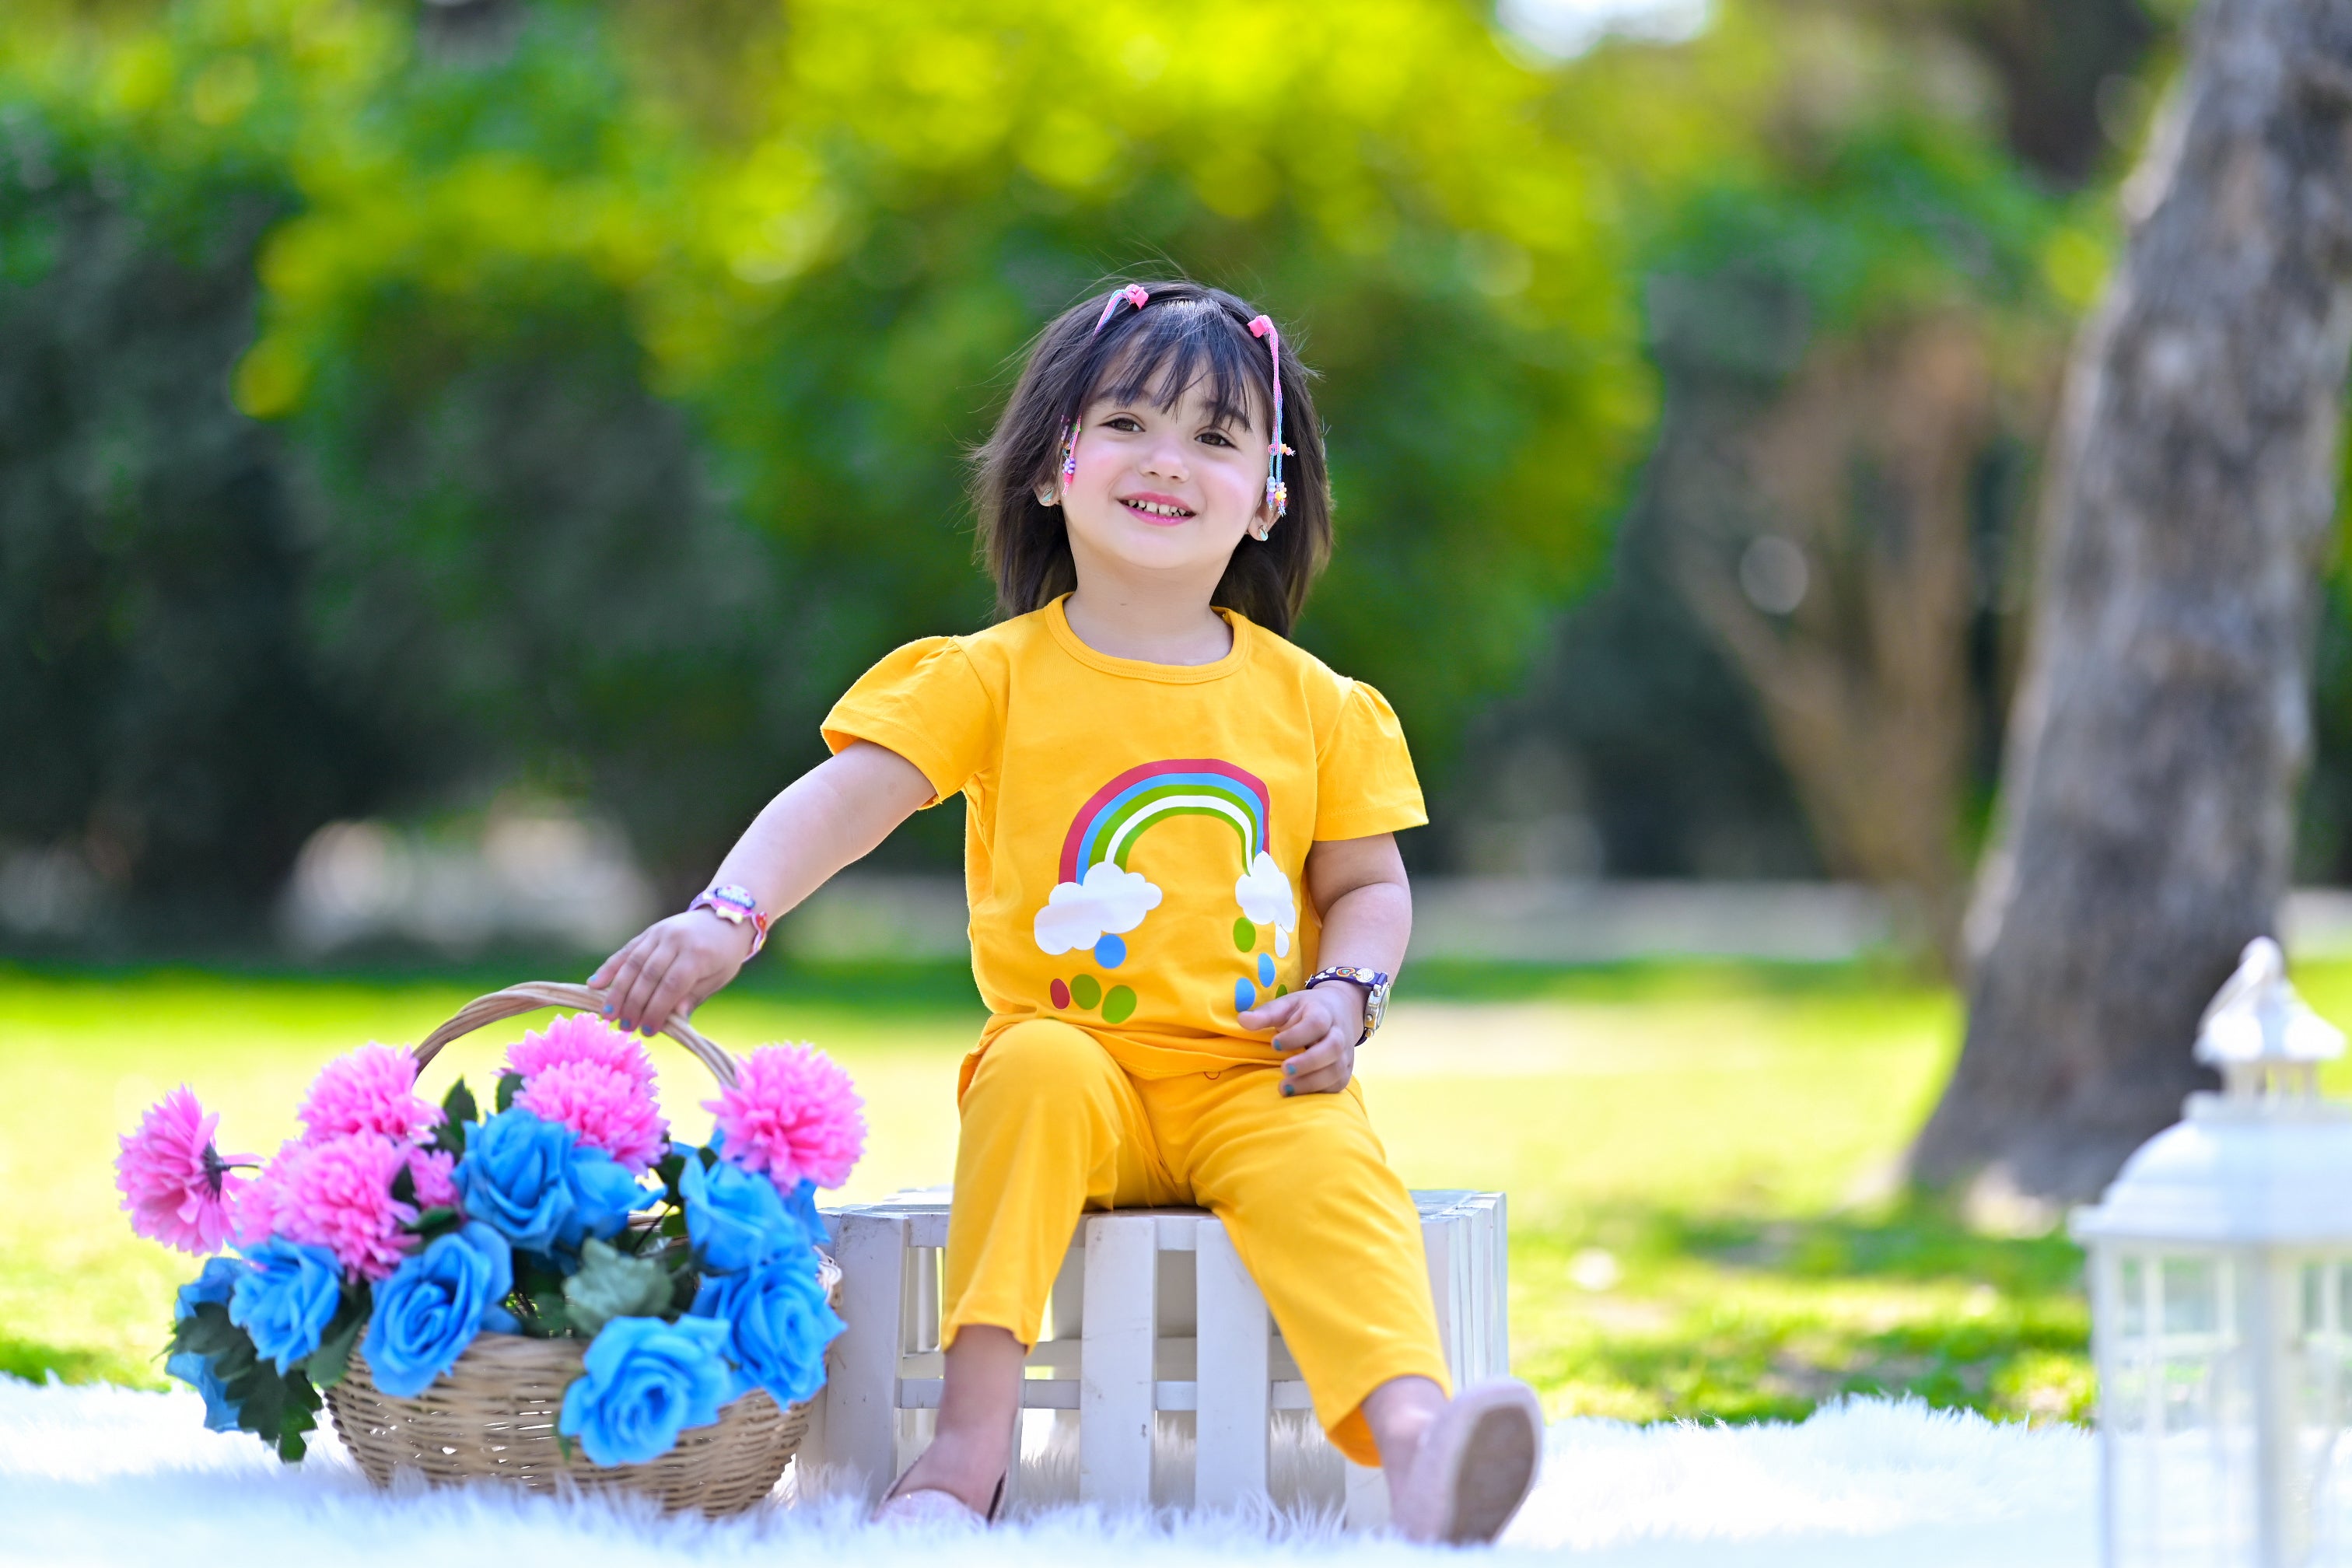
(736, 905)
(1377, 984)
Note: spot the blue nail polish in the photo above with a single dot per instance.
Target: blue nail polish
(1288, 1087)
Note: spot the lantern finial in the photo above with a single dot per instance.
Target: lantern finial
(2262, 1035)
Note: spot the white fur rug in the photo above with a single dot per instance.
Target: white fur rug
(103, 1476)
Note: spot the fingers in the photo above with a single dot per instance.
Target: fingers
(602, 974)
(631, 999)
(623, 978)
(1273, 1014)
(1323, 1068)
(679, 989)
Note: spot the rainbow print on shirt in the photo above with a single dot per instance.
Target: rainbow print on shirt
(1096, 900)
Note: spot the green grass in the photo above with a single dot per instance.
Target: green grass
(1690, 1154)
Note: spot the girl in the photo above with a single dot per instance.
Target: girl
(1154, 776)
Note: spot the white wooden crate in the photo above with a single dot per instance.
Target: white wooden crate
(1152, 1312)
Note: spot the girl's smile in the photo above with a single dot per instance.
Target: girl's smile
(1155, 508)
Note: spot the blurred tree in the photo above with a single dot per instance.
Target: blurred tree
(169, 725)
(2163, 721)
(1851, 308)
(625, 356)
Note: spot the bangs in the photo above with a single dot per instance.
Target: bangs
(1167, 349)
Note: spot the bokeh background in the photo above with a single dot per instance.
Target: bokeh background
(452, 452)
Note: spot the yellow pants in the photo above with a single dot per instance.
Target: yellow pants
(1053, 1126)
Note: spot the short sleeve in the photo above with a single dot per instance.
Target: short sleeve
(926, 703)
(1364, 779)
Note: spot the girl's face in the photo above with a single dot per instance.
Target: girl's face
(1165, 491)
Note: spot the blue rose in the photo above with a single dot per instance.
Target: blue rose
(285, 1300)
(603, 1194)
(216, 1284)
(512, 1178)
(434, 1305)
(536, 1184)
(779, 1324)
(643, 1383)
(801, 1206)
(735, 1217)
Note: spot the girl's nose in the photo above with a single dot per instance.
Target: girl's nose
(1165, 458)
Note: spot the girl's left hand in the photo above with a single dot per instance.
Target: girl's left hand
(1322, 1025)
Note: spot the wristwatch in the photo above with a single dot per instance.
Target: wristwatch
(737, 906)
(1376, 1003)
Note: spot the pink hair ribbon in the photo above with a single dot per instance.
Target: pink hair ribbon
(1278, 494)
(1136, 295)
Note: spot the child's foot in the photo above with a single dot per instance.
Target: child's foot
(944, 1486)
(1476, 1466)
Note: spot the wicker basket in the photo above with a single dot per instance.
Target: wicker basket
(492, 1415)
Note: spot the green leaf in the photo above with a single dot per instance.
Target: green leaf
(685, 1284)
(207, 1331)
(670, 1168)
(326, 1365)
(673, 1224)
(548, 1320)
(509, 1085)
(434, 1222)
(404, 1186)
(458, 1105)
(611, 1284)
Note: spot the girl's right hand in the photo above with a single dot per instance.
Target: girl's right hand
(670, 967)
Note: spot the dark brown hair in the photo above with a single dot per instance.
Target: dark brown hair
(1184, 333)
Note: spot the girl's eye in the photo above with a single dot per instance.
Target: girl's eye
(1216, 438)
(1127, 422)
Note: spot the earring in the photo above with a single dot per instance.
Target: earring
(1259, 530)
(1048, 496)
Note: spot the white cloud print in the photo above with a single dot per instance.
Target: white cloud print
(1263, 894)
(1107, 898)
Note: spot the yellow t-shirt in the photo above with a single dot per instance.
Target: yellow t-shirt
(1136, 833)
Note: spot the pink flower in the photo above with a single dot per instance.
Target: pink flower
(582, 1037)
(336, 1193)
(793, 1114)
(604, 1106)
(372, 1089)
(175, 1185)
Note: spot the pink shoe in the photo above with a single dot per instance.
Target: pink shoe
(927, 1506)
(1477, 1465)
(931, 1506)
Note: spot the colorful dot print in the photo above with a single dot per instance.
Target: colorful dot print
(1085, 991)
(1265, 969)
(1244, 995)
(1112, 950)
(1119, 1006)
(1060, 994)
(1245, 934)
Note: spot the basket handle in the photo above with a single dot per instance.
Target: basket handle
(532, 995)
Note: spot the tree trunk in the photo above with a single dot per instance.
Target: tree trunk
(2163, 721)
(1857, 473)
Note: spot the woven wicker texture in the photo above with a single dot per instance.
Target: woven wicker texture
(492, 1416)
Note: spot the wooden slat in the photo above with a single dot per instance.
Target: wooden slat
(1115, 1400)
(862, 1364)
(1229, 1463)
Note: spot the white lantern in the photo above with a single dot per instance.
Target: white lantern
(2221, 1268)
